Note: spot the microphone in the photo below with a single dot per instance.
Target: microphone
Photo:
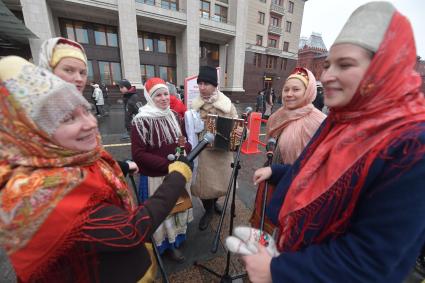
(246, 113)
(270, 147)
(208, 139)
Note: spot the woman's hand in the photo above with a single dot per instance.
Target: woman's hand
(133, 168)
(262, 174)
(258, 265)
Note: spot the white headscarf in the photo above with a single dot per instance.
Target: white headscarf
(152, 120)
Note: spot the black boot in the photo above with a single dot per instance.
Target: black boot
(176, 255)
(207, 217)
(205, 220)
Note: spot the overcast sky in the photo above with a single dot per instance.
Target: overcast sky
(327, 17)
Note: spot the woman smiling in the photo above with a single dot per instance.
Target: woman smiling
(293, 125)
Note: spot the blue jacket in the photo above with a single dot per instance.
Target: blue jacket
(385, 233)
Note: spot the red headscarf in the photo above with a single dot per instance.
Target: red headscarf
(387, 103)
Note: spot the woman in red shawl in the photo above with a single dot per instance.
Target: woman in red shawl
(351, 207)
(293, 125)
(66, 213)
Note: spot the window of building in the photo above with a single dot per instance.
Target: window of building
(110, 72)
(284, 64)
(288, 26)
(272, 42)
(271, 62)
(168, 74)
(275, 21)
(223, 1)
(147, 71)
(257, 59)
(277, 2)
(285, 46)
(220, 14)
(204, 8)
(90, 75)
(106, 36)
(209, 54)
(149, 2)
(209, 51)
(166, 44)
(146, 42)
(169, 4)
(261, 16)
(291, 7)
(77, 31)
(264, 1)
(259, 40)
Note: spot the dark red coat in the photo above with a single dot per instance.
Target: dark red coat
(152, 158)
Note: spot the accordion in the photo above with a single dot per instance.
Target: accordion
(224, 131)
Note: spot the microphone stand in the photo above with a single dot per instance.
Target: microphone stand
(265, 193)
(226, 277)
(155, 249)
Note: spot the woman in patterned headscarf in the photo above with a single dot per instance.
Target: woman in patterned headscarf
(292, 126)
(351, 208)
(66, 213)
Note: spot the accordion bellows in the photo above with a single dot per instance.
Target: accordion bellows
(224, 130)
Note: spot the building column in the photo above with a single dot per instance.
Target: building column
(38, 18)
(129, 43)
(179, 61)
(223, 52)
(190, 40)
(236, 49)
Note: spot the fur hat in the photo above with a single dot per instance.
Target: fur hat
(207, 74)
(154, 84)
(44, 97)
(124, 83)
(367, 25)
(66, 48)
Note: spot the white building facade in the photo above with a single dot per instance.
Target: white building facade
(138, 39)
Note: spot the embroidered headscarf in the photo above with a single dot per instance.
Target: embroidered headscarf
(154, 124)
(55, 49)
(293, 128)
(45, 189)
(322, 196)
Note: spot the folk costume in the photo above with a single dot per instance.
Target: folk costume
(213, 171)
(154, 137)
(349, 207)
(67, 215)
(292, 129)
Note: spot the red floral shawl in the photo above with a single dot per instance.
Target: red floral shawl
(47, 191)
(387, 102)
